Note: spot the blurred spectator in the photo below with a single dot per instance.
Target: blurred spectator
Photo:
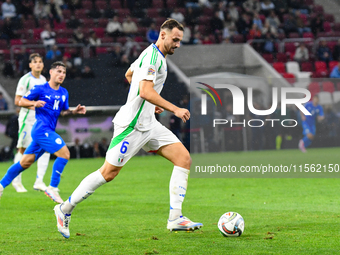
(269, 29)
(116, 56)
(74, 5)
(281, 7)
(243, 24)
(54, 12)
(94, 13)
(190, 17)
(217, 26)
(204, 4)
(206, 40)
(131, 48)
(103, 146)
(75, 149)
(251, 6)
(12, 129)
(78, 36)
(129, 27)
(300, 24)
(96, 150)
(301, 53)
(266, 7)
(114, 28)
(336, 51)
(229, 27)
(317, 24)
(177, 15)
(54, 53)
(40, 12)
(67, 63)
(324, 52)
(186, 34)
(23, 61)
(269, 43)
(197, 38)
(273, 20)
(257, 21)
(24, 8)
(336, 72)
(233, 12)
(3, 103)
(226, 40)
(48, 36)
(73, 22)
(87, 73)
(124, 61)
(152, 33)
(290, 25)
(94, 42)
(255, 32)
(7, 30)
(8, 10)
(221, 9)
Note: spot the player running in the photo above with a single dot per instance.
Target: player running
(308, 122)
(50, 100)
(136, 127)
(26, 121)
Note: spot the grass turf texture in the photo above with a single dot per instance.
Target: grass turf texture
(128, 216)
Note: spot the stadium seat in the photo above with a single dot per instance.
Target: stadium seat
(332, 64)
(100, 32)
(329, 17)
(290, 48)
(318, 9)
(336, 27)
(308, 35)
(89, 23)
(152, 13)
(16, 42)
(289, 77)
(62, 40)
(29, 24)
(101, 5)
(61, 25)
(281, 57)
(306, 67)
(336, 96)
(320, 65)
(80, 14)
(107, 40)
(66, 14)
(328, 86)
(304, 19)
(102, 23)
(116, 4)
(236, 38)
(314, 87)
(325, 98)
(31, 41)
(37, 32)
(87, 5)
(268, 57)
(279, 67)
(327, 27)
(294, 35)
(294, 68)
(123, 13)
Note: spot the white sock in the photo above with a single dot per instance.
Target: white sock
(42, 166)
(83, 191)
(178, 187)
(17, 158)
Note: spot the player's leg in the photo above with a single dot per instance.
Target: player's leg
(42, 167)
(17, 181)
(308, 132)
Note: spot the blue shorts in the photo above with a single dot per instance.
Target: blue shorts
(45, 140)
(308, 129)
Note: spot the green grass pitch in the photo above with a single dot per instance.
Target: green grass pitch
(128, 215)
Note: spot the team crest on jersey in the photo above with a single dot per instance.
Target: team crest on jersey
(58, 141)
(120, 158)
(57, 97)
(28, 93)
(151, 71)
(63, 98)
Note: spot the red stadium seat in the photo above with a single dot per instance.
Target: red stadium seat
(152, 13)
(123, 13)
(80, 14)
(61, 25)
(294, 35)
(304, 18)
(290, 48)
(281, 57)
(268, 57)
(279, 67)
(121, 39)
(102, 23)
(115, 4)
(66, 14)
(308, 35)
(320, 65)
(29, 24)
(37, 32)
(16, 42)
(107, 40)
(318, 9)
(336, 27)
(306, 67)
(236, 38)
(88, 23)
(332, 64)
(100, 32)
(87, 5)
(289, 77)
(314, 86)
(101, 5)
(327, 27)
(328, 86)
(329, 18)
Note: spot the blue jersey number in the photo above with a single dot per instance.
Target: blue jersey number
(25, 133)
(123, 149)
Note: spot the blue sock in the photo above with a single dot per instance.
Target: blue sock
(58, 168)
(12, 172)
(306, 141)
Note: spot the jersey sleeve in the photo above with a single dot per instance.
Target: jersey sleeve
(148, 66)
(65, 105)
(320, 111)
(22, 86)
(33, 94)
(133, 65)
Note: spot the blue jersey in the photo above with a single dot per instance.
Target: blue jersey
(56, 101)
(315, 111)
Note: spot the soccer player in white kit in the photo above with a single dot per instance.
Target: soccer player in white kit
(26, 121)
(136, 127)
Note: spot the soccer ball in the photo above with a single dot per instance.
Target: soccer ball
(231, 224)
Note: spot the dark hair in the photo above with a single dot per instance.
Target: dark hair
(56, 64)
(171, 24)
(35, 55)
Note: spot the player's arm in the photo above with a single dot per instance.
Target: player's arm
(147, 92)
(128, 75)
(17, 100)
(80, 109)
(24, 102)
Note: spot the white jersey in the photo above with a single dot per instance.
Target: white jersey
(27, 82)
(137, 112)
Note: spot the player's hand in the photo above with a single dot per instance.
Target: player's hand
(159, 110)
(80, 109)
(39, 104)
(303, 117)
(183, 114)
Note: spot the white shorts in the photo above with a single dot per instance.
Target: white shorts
(24, 137)
(126, 142)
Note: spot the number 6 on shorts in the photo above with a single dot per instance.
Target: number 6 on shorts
(124, 148)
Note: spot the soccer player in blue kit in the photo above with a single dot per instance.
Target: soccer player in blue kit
(50, 100)
(308, 122)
